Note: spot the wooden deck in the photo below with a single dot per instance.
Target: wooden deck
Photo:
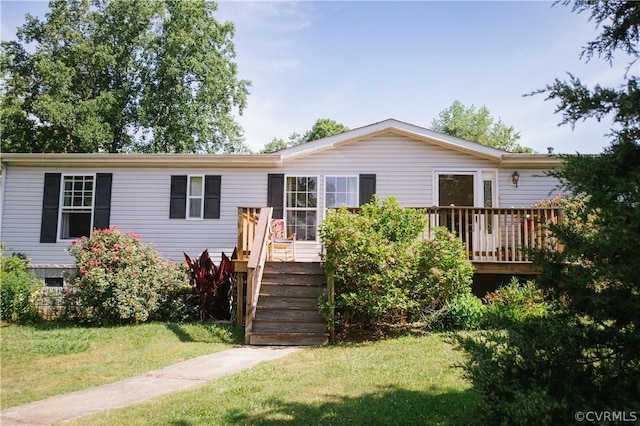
(277, 300)
(496, 240)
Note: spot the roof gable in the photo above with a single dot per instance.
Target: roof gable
(394, 127)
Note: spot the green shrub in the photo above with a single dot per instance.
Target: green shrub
(464, 312)
(514, 302)
(535, 372)
(382, 270)
(17, 262)
(19, 290)
(369, 263)
(442, 270)
(123, 280)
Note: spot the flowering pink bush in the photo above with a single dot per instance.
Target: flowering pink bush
(123, 280)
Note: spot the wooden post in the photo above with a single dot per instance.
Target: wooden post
(240, 300)
(240, 243)
(248, 324)
(331, 299)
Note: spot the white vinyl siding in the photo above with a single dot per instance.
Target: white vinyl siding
(139, 203)
(403, 167)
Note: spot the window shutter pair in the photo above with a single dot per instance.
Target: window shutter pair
(275, 192)
(178, 201)
(51, 205)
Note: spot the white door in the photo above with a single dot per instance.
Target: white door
(485, 237)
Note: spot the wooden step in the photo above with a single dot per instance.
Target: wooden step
(281, 290)
(287, 311)
(301, 315)
(307, 268)
(283, 303)
(289, 326)
(287, 339)
(314, 280)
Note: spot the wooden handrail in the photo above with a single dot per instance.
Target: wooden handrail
(247, 223)
(255, 266)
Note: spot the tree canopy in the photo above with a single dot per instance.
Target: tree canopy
(122, 76)
(619, 21)
(323, 128)
(586, 353)
(477, 125)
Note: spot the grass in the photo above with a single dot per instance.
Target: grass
(49, 359)
(403, 381)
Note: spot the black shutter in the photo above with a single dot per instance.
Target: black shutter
(212, 187)
(102, 205)
(275, 194)
(50, 207)
(367, 188)
(178, 201)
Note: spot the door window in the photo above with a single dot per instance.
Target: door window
(455, 189)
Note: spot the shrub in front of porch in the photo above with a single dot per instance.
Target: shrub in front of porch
(383, 271)
(122, 280)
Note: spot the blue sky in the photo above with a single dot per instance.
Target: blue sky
(362, 62)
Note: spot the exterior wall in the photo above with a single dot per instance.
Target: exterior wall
(533, 186)
(404, 168)
(139, 203)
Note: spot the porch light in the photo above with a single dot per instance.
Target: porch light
(515, 178)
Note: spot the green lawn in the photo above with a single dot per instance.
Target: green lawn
(402, 381)
(50, 359)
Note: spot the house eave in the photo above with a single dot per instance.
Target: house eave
(141, 160)
(531, 161)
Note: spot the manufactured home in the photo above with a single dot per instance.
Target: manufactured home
(189, 202)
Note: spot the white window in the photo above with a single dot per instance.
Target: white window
(341, 191)
(195, 197)
(302, 207)
(76, 209)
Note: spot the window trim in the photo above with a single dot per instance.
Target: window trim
(61, 206)
(190, 197)
(320, 199)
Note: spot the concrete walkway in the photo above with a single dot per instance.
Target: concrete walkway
(140, 388)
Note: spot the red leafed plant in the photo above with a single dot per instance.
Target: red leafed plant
(210, 284)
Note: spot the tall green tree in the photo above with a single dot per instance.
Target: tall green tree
(477, 125)
(322, 128)
(120, 76)
(585, 356)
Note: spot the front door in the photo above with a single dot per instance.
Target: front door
(456, 189)
(468, 189)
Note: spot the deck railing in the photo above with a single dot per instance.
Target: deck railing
(247, 223)
(255, 266)
(501, 235)
(498, 234)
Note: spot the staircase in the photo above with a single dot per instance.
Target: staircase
(287, 312)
